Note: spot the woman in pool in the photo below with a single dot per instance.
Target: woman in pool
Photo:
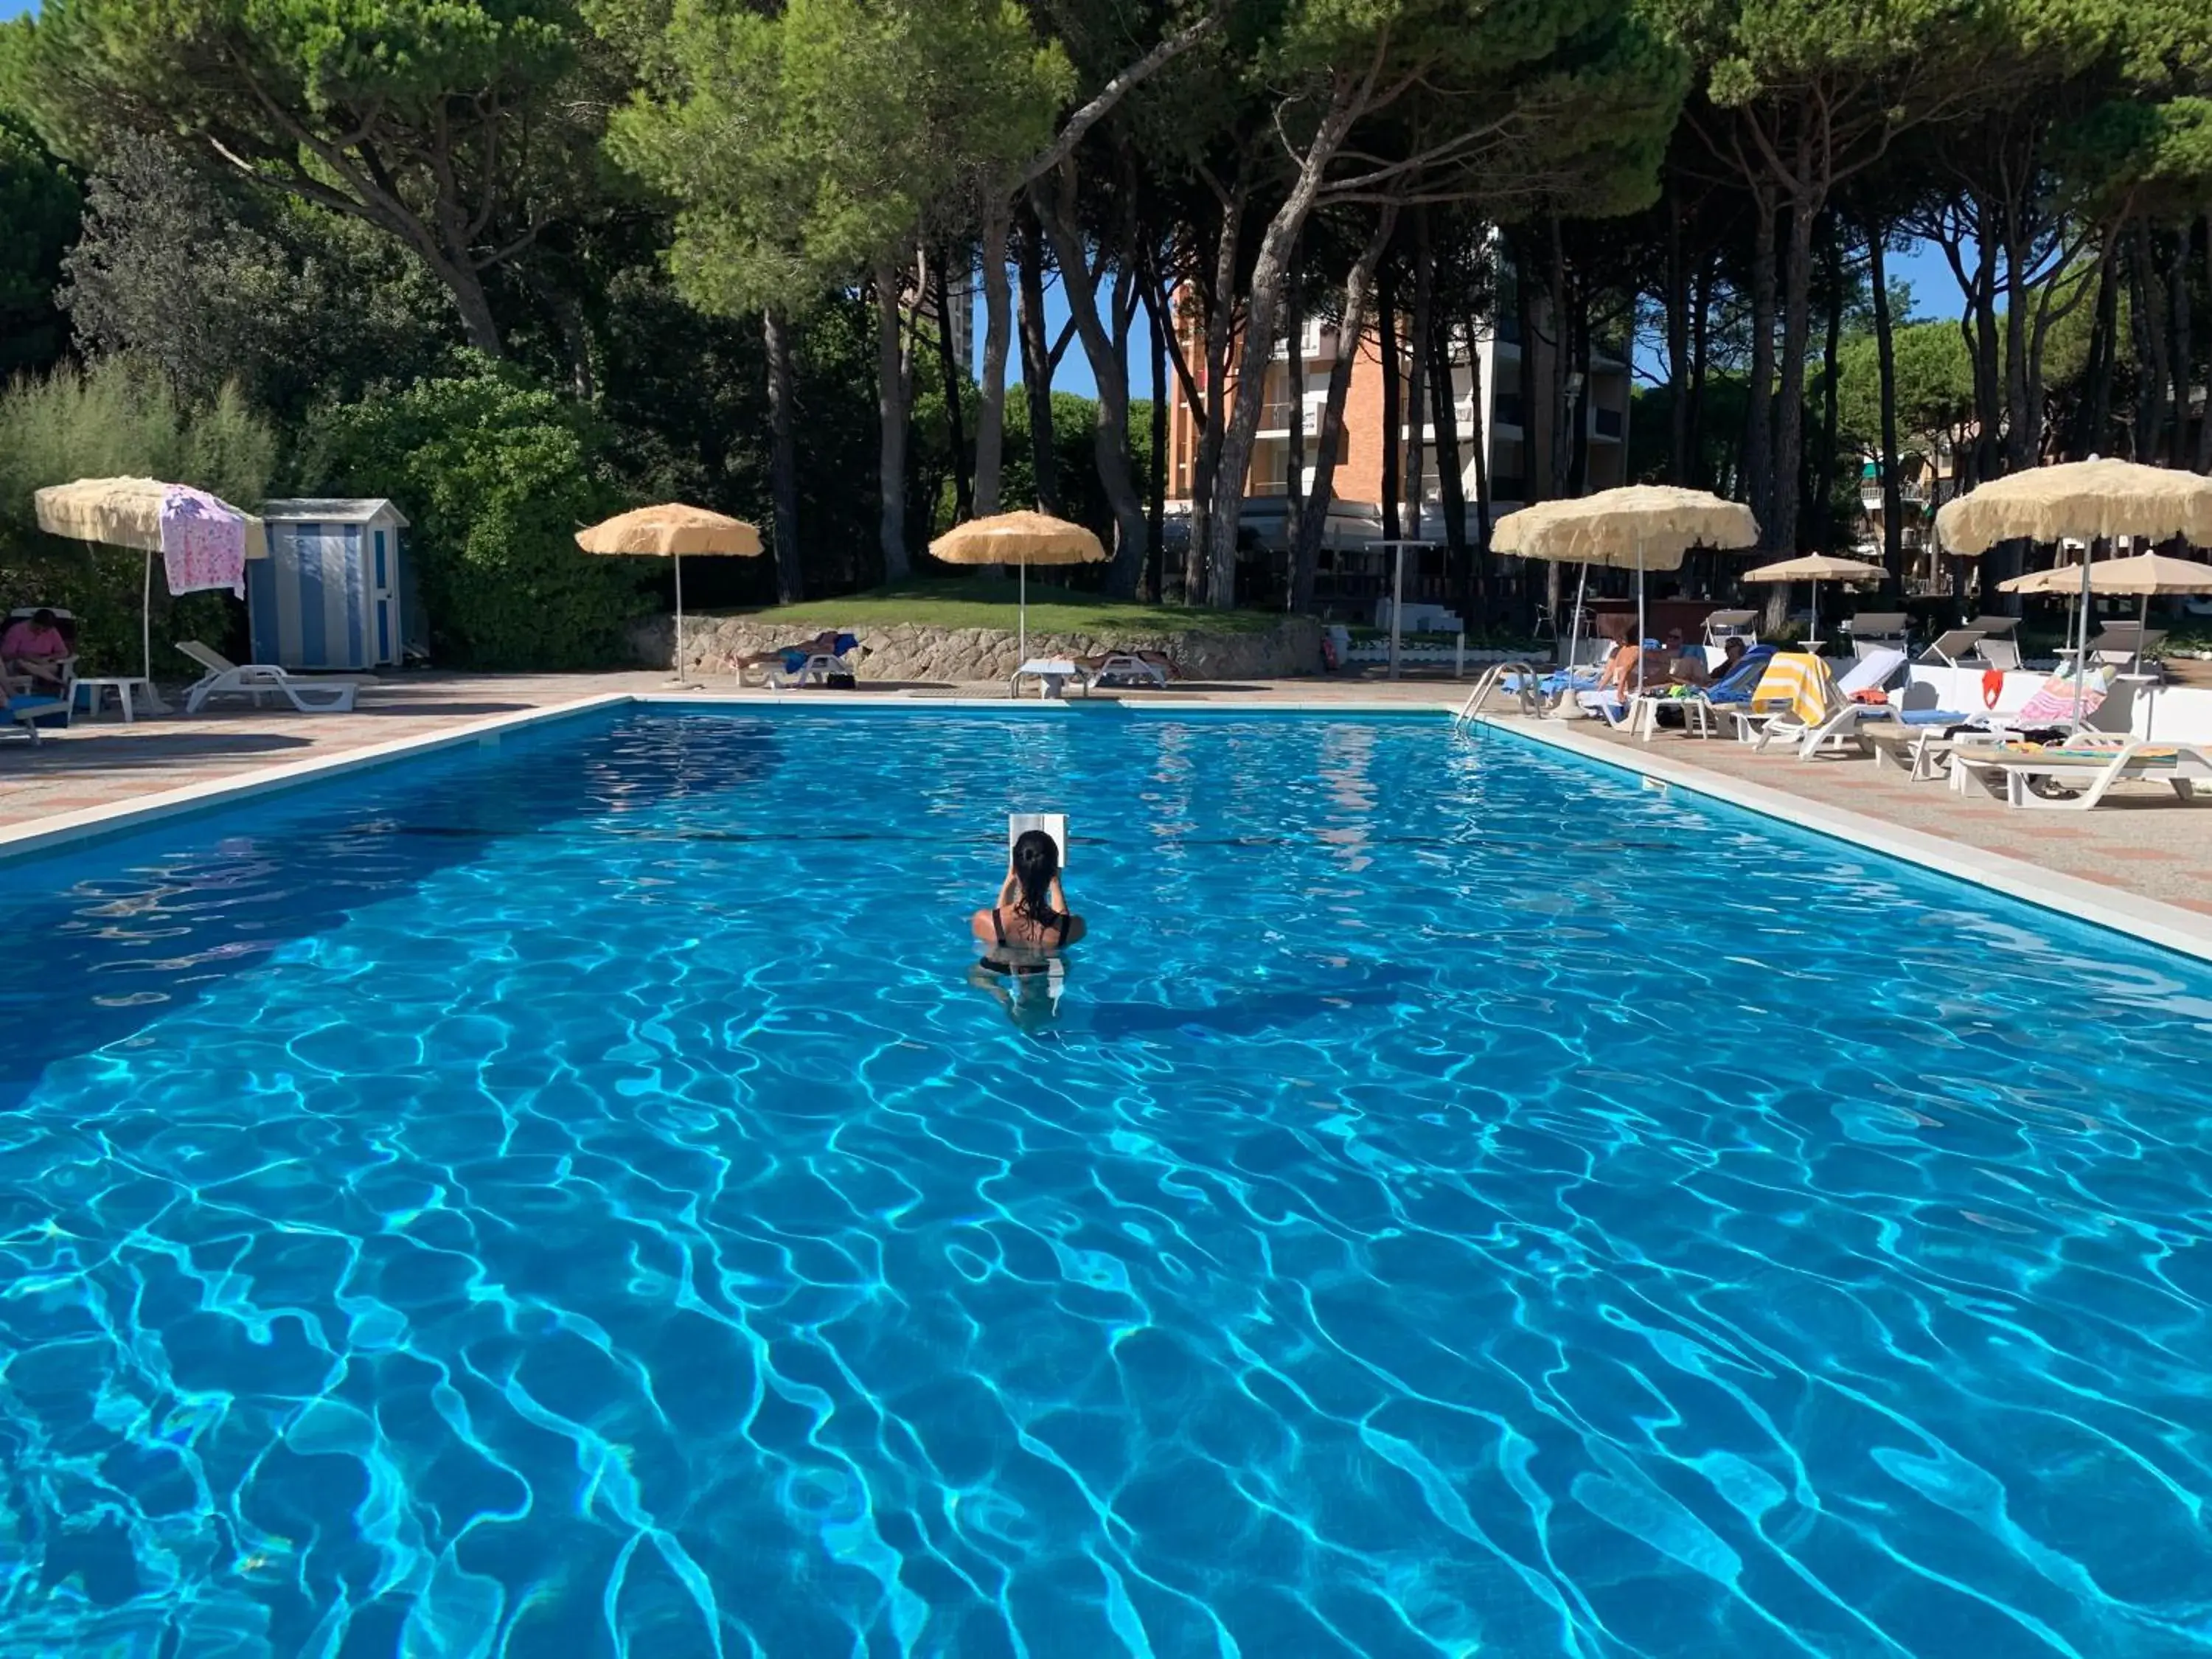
(1030, 920)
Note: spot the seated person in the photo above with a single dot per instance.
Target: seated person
(1030, 919)
(1690, 668)
(34, 648)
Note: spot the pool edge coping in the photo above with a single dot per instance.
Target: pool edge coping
(93, 823)
(2135, 914)
(2139, 916)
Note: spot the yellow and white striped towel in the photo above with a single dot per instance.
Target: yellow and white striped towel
(1798, 683)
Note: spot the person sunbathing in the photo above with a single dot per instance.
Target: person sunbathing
(791, 658)
(1619, 676)
(1689, 668)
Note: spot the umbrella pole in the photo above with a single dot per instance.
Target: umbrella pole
(1816, 614)
(1575, 630)
(146, 623)
(2081, 656)
(675, 677)
(1639, 618)
(1397, 602)
(1022, 635)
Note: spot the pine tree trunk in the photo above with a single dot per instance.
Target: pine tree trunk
(1885, 348)
(2149, 330)
(1220, 309)
(2204, 421)
(1824, 471)
(2178, 312)
(1110, 437)
(1451, 492)
(783, 460)
(1385, 319)
(1345, 103)
(1351, 328)
(1790, 395)
(963, 483)
(1294, 379)
(1557, 420)
(1037, 367)
(1478, 424)
(998, 324)
(1758, 458)
(1157, 507)
(1988, 381)
(1700, 476)
(892, 423)
(1417, 377)
(1678, 344)
(2023, 420)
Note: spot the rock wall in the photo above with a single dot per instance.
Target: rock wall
(956, 656)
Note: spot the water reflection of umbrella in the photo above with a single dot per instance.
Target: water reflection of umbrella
(1816, 567)
(669, 532)
(1637, 527)
(127, 512)
(1021, 539)
(2092, 501)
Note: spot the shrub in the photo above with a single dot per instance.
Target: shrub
(496, 475)
(116, 420)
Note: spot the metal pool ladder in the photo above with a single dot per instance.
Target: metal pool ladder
(1531, 700)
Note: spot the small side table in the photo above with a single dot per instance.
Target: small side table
(132, 692)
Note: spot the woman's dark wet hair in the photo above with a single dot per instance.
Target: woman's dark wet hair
(1036, 862)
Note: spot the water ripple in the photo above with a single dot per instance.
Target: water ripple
(568, 1200)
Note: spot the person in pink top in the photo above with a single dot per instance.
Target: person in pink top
(34, 646)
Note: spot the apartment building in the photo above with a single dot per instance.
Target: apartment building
(1517, 446)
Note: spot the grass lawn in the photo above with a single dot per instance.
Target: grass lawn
(988, 602)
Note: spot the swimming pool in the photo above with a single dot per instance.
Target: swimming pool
(569, 1199)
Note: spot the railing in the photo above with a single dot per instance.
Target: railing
(1524, 691)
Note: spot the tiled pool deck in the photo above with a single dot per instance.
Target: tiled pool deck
(2145, 846)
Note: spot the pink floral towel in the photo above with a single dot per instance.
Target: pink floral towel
(202, 541)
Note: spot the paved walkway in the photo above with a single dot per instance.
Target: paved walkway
(2140, 839)
(2149, 845)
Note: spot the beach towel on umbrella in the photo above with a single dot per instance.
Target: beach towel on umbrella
(202, 541)
(1796, 681)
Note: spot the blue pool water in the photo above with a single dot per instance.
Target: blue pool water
(568, 1199)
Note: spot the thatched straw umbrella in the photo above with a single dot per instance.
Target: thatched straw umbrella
(1639, 527)
(1020, 539)
(669, 532)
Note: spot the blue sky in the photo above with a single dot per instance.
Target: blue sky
(1934, 293)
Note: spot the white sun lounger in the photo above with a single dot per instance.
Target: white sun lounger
(1839, 714)
(1127, 668)
(2088, 774)
(257, 680)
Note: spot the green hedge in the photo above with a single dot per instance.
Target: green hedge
(119, 419)
(496, 474)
